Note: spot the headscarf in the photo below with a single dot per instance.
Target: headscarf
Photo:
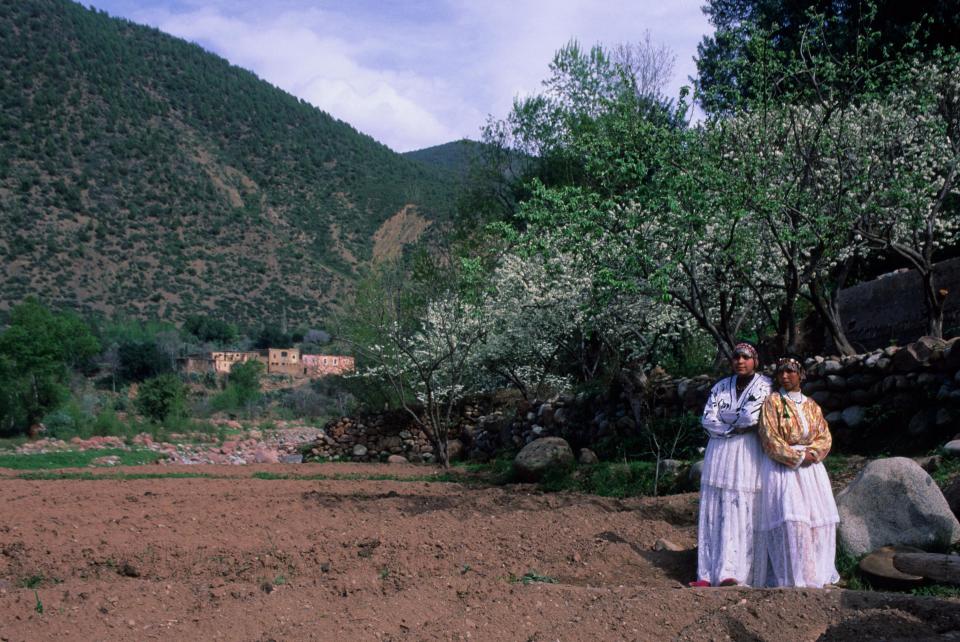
(747, 350)
(791, 363)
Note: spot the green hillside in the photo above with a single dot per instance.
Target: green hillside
(455, 157)
(140, 174)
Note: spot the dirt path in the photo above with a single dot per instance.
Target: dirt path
(240, 558)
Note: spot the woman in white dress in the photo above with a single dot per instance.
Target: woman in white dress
(796, 537)
(730, 478)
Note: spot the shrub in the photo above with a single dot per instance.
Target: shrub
(161, 398)
(245, 377)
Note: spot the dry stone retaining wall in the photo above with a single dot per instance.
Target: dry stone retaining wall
(902, 399)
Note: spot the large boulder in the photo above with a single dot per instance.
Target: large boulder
(894, 502)
(541, 456)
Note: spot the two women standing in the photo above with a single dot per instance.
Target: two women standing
(767, 513)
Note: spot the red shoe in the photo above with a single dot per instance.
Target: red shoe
(699, 584)
(728, 582)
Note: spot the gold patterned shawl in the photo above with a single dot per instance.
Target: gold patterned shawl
(780, 428)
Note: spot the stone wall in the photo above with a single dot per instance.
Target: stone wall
(376, 437)
(900, 400)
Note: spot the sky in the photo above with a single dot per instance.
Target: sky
(416, 73)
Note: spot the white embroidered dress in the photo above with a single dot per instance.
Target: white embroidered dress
(797, 515)
(730, 481)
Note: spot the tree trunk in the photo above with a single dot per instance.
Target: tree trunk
(934, 299)
(787, 314)
(933, 566)
(829, 311)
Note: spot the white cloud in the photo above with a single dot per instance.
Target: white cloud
(419, 73)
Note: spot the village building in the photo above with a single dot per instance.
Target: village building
(321, 365)
(288, 361)
(223, 361)
(283, 361)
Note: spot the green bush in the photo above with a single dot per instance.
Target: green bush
(162, 398)
(245, 378)
(226, 401)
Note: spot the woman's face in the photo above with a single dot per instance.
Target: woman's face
(743, 365)
(789, 380)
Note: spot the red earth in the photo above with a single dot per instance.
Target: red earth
(234, 557)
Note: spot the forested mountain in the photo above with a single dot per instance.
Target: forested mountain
(455, 157)
(140, 174)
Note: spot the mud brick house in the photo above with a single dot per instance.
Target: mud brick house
(284, 361)
(320, 365)
(196, 364)
(219, 362)
(224, 361)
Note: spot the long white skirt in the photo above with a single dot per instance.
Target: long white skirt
(728, 494)
(796, 539)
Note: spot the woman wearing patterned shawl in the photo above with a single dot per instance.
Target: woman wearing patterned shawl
(796, 536)
(731, 473)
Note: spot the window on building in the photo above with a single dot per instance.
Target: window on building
(334, 361)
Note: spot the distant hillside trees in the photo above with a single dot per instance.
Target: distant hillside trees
(210, 330)
(161, 180)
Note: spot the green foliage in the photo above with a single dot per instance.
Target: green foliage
(531, 577)
(162, 398)
(611, 479)
(271, 336)
(940, 591)
(76, 458)
(242, 391)
(681, 438)
(245, 377)
(90, 476)
(139, 361)
(37, 351)
(692, 355)
(724, 59)
(947, 471)
(208, 329)
(161, 180)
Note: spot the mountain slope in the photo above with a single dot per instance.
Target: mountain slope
(455, 157)
(140, 174)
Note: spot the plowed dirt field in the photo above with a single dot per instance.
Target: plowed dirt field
(235, 557)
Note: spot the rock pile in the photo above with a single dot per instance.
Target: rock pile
(914, 390)
(371, 438)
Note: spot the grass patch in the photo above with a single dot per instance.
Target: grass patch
(835, 464)
(531, 577)
(31, 581)
(848, 566)
(937, 590)
(11, 443)
(948, 470)
(76, 458)
(497, 471)
(612, 479)
(43, 475)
